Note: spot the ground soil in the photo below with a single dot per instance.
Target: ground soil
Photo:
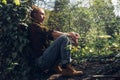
(95, 69)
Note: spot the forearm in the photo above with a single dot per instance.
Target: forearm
(73, 35)
(56, 34)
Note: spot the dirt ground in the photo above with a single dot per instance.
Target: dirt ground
(93, 70)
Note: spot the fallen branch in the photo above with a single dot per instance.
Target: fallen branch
(104, 76)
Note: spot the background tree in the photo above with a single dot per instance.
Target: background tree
(59, 17)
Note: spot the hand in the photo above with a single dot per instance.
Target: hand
(77, 36)
(74, 36)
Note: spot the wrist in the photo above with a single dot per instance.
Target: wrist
(67, 34)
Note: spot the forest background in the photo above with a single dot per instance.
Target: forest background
(98, 26)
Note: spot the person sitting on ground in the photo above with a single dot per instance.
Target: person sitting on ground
(51, 55)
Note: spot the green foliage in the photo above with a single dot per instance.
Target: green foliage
(97, 25)
(13, 40)
(59, 18)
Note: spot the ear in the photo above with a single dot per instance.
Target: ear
(34, 15)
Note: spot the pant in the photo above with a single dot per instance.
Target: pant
(58, 52)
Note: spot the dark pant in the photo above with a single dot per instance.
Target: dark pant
(58, 52)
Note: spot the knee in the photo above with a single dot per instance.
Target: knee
(64, 38)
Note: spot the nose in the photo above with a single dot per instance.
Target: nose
(43, 16)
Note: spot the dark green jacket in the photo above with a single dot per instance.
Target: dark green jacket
(40, 38)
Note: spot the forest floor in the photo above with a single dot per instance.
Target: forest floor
(94, 69)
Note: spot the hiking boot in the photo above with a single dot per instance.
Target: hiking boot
(70, 71)
(57, 69)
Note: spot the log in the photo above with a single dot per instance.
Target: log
(104, 76)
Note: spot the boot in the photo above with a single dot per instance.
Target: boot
(70, 71)
(57, 69)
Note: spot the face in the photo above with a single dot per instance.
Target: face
(40, 15)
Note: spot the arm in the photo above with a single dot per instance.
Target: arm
(73, 35)
(56, 34)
